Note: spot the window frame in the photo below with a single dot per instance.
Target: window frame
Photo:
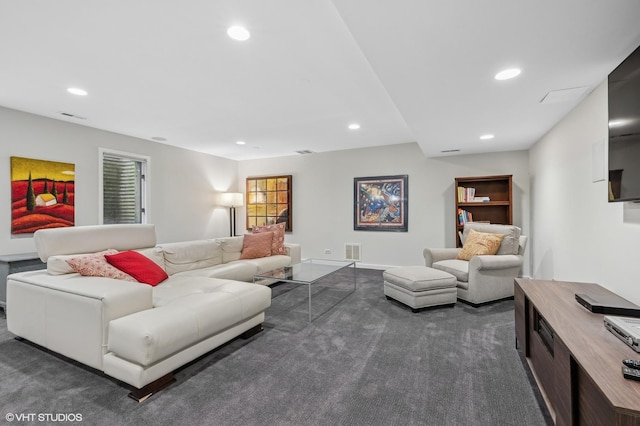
(257, 199)
(144, 184)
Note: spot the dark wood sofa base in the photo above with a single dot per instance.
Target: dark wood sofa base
(252, 331)
(142, 394)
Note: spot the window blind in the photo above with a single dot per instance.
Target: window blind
(122, 190)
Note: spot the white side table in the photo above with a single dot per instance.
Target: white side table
(12, 263)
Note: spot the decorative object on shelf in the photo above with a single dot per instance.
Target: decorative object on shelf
(231, 200)
(42, 195)
(269, 201)
(381, 203)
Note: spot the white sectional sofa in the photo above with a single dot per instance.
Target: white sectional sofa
(134, 332)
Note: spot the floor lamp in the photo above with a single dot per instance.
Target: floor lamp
(231, 200)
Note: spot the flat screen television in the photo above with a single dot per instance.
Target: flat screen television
(624, 130)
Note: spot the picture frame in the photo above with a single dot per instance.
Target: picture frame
(42, 195)
(269, 201)
(381, 203)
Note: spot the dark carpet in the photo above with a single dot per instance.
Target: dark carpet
(364, 360)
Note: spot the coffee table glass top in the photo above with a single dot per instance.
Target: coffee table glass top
(306, 272)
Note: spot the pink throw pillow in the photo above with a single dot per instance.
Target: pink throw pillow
(277, 245)
(139, 266)
(256, 245)
(95, 265)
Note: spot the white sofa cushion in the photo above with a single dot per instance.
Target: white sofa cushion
(57, 265)
(231, 248)
(188, 310)
(264, 264)
(239, 271)
(190, 255)
(91, 239)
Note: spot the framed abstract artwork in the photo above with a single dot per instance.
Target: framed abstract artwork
(42, 195)
(269, 201)
(381, 203)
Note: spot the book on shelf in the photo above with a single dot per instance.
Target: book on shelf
(480, 200)
(465, 194)
(468, 195)
(464, 216)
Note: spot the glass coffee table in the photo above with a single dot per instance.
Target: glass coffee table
(308, 272)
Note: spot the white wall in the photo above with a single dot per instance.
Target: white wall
(323, 198)
(182, 182)
(579, 236)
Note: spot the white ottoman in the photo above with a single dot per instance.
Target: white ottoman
(420, 286)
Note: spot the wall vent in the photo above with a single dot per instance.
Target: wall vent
(564, 95)
(353, 251)
(305, 151)
(66, 114)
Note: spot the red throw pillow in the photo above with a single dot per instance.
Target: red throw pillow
(256, 245)
(139, 266)
(277, 245)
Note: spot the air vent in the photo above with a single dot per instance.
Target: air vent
(353, 251)
(564, 95)
(451, 150)
(66, 114)
(304, 151)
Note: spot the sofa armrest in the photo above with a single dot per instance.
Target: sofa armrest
(437, 254)
(294, 251)
(505, 261)
(70, 314)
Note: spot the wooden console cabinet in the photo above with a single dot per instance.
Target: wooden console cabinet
(575, 359)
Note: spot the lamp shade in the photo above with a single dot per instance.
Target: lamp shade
(230, 199)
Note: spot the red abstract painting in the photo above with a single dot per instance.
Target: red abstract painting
(42, 195)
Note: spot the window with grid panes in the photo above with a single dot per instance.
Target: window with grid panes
(269, 201)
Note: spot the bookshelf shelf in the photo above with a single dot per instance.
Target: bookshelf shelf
(499, 208)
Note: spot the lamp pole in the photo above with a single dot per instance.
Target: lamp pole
(231, 200)
(232, 221)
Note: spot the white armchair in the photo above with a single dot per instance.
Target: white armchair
(483, 278)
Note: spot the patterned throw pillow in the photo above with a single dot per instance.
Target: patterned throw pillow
(95, 265)
(480, 243)
(278, 236)
(255, 246)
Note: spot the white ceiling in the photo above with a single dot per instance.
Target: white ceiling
(406, 70)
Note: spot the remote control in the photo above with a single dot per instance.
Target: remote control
(631, 373)
(632, 363)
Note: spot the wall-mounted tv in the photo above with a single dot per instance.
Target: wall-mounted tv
(624, 130)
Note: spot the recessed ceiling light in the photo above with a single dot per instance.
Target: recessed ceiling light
(238, 33)
(487, 137)
(240, 142)
(354, 126)
(507, 74)
(77, 91)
